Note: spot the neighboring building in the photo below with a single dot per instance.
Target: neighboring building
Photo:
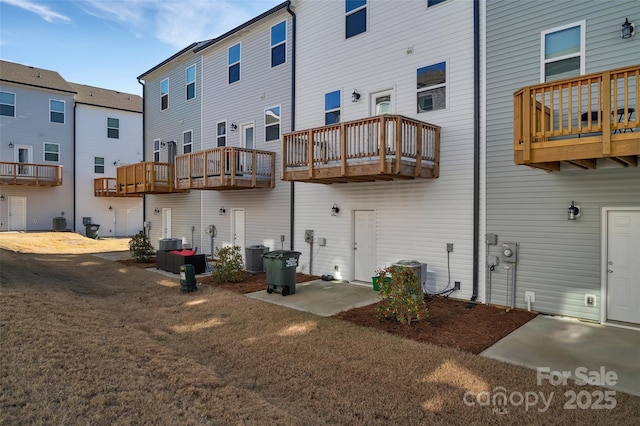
(561, 74)
(214, 116)
(51, 153)
(108, 134)
(410, 64)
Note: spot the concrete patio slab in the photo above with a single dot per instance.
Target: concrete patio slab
(562, 344)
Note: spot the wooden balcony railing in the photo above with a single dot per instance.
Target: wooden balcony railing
(226, 168)
(384, 147)
(107, 187)
(579, 120)
(146, 178)
(30, 174)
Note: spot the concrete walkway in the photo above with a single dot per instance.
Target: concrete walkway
(561, 344)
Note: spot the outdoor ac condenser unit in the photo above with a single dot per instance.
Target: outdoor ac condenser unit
(420, 270)
(253, 258)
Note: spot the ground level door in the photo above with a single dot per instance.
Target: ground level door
(237, 229)
(166, 222)
(364, 245)
(17, 213)
(121, 223)
(623, 266)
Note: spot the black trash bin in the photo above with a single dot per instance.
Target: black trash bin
(281, 271)
(91, 230)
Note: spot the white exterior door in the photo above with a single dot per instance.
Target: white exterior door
(237, 229)
(17, 213)
(364, 244)
(382, 102)
(623, 266)
(166, 222)
(121, 223)
(23, 154)
(248, 141)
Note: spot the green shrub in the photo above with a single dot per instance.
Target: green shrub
(229, 266)
(140, 248)
(402, 298)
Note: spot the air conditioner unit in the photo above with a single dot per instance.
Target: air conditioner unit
(419, 268)
(253, 258)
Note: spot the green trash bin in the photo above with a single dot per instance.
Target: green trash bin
(187, 278)
(281, 271)
(92, 230)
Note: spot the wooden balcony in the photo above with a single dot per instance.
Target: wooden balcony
(107, 187)
(384, 147)
(146, 178)
(226, 168)
(30, 174)
(579, 121)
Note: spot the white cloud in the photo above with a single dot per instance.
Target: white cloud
(43, 11)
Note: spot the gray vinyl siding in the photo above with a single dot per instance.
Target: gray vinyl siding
(31, 127)
(558, 259)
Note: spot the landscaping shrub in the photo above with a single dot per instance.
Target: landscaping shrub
(229, 267)
(402, 298)
(141, 248)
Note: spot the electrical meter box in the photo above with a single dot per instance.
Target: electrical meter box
(509, 252)
(308, 236)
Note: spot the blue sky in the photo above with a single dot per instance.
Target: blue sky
(108, 43)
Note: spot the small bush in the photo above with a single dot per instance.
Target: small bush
(141, 248)
(402, 298)
(229, 267)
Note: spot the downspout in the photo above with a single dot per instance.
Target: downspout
(292, 194)
(144, 197)
(476, 145)
(75, 166)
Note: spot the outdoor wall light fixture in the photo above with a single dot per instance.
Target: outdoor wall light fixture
(156, 211)
(335, 210)
(223, 211)
(355, 96)
(234, 127)
(163, 143)
(10, 144)
(628, 29)
(573, 212)
(110, 208)
(1, 197)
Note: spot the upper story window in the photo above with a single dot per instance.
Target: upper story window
(279, 44)
(272, 124)
(562, 52)
(56, 111)
(356, 17)
(51, 152)
(432, 87)
(164, 94)
(234, 63)
(113, 128)
(431, 3)
(221, 133)
(156, 150)
(190, 81)
(8, 104)
(332, 108)
(187, 141)
(98, 164)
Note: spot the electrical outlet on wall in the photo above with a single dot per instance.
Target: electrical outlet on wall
(590, 300)
(456, 285)
(449, 247)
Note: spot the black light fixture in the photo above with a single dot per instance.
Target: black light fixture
(10, 144)
(335, 210)
(222, 211)
(355, 96)
(234, 127)
(573, 212)
(1, 197)
(156, 211)
(628, 29)
(110, 208)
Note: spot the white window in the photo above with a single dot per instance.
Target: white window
(156, 150)
(279, 44)
(332, 108)
(8, 104)
(221, 135)
(190, 81)
(432, 87)
(98, 165)
(187, 141)
(233, 59)
(272, 124)
(356, 17)
(562, 52)
(52, 152)
(56, 111)
(113, 128)
(164, 94)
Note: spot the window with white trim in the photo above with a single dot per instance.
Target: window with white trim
(431, 83)
(98, 165)
(356, 17)
(56, 111)
(8, 104)
(279, 44)
(332, 108)
(156, 150)
(221, 133)
(187, 141)
(113, 128)
(431, 3)
(562, 52)
(233, 60)
(164, 94)
(52, 152)
(190, 81)
(272, 123)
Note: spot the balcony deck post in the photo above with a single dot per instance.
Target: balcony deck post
(310, 157)
(398, 142)
(606, 109)
(526, 118)
(382, 143)
(343, 150)
(418, 128)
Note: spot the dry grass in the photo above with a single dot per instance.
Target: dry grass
(60, 243)
(86, 340)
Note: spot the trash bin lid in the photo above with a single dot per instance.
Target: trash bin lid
(281, 253)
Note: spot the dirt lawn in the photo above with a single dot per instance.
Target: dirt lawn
(87, 340)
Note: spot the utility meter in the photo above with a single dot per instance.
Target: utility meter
(509, 252)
